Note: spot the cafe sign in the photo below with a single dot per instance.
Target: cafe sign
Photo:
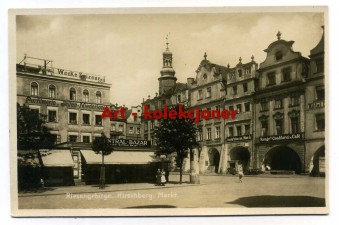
(285, 137)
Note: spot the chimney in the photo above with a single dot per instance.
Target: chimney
(190, 81)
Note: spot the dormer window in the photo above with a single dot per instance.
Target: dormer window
(205, 76)
(240, 73)
(278, 55)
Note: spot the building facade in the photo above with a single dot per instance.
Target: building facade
(280, 119)
(315, 111)
(280, 109)
(240, 88)
(73, 102)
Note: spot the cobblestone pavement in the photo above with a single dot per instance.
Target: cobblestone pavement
(214, 191)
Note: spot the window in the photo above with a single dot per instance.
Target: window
(152, 125)
(239, 108)
(121, 128)
(178, 98)
(85, 96)
(320, 92)
(217, 132)
(131, 130)
(230, 132)
(73, 118)
(271, 78)
(135, 118)
(52, 116)
(35, 110)
(208, 134)
(86, 139)
(247, 129)
(286, 73)
(199, 94)
(320, 122)
(85, 119)
(199, 134)
(204, 76)
(264, 128)
(278, 55)
(138, 130)
(278, 126)
(278, 103)
(319, 65)
(217, 108)
(72, 94)
(113, 127)
(238, 130)
(235, 90)
(231, 108)
(263, 106)
(72, 138)
(51, 91)
(98, 120)
(247, 70)
(240, 73)
(208, 92)
(247, 107)
(294, 124)
(245, 87)
(55, 138)
(294, 100)
(98, 97)
(34, 89)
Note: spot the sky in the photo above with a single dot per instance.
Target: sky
(127, 48)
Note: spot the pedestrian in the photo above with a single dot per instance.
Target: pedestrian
(158, 178)
(240, 173)
(163, 178)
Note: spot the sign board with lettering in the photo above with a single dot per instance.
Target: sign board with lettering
(239, 138)
(322, 165)
(130, 143)
(284, 137)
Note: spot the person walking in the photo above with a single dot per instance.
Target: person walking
(163, 178)
(158, 178)
(240, 173)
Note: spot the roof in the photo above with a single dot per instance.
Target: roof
(120, 157)
(56, 158)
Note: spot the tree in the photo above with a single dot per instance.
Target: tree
(179, 136)
(32, 135)
(31, 130)
(101, 145)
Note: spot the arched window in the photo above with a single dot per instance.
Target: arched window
(85, 96)
(34, 89)
(72, 94)
(98, 97)
(51, 91)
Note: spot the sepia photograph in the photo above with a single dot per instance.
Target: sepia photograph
(168, 111)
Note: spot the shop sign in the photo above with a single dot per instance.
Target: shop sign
(281, 137)
(239, 138)
(41, 101)
(322, 165)
(82, 105)
(316, 105)
(78, 75)
(130, 143)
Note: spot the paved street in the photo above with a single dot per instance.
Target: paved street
(214, 191)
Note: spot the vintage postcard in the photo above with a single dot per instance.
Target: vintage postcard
(168, 111)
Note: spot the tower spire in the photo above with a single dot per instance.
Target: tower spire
(167, 43)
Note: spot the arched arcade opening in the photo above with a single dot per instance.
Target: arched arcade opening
(318, 161)
(283, 158)
(239, 155)
(214, 159)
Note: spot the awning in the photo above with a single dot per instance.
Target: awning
(119, 157)
(56, 157)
